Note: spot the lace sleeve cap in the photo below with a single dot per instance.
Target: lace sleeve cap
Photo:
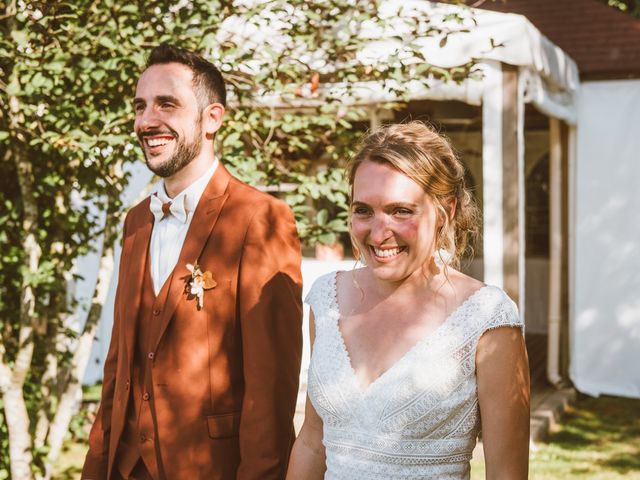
(505, 314)
(318, 293)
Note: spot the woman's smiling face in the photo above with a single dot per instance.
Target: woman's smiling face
(393, 221)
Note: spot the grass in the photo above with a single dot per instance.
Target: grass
(599, 439)
(69, 464)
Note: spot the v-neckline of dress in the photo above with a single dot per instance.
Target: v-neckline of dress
(364, 390)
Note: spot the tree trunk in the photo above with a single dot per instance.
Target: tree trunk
(17, 418)
(44, 420)
(15, 409)
(16, 413)
(71, 398)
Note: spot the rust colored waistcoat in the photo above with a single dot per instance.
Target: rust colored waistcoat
(138, 437)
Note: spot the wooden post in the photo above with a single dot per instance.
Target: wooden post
(511, 186)
(503, 180)
(557, 346)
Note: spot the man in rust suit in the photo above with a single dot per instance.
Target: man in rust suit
(201, 377)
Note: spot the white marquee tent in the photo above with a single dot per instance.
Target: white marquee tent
(520, 66)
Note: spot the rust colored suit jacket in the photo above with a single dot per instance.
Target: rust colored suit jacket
(224, 378)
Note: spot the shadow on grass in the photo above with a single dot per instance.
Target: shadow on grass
(71, 473)
(624, 462)
(569, 440)
(606, 427)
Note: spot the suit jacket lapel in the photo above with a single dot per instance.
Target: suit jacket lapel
(132, 283)
(204, 219)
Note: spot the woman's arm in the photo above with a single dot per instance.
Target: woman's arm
(503, 393)
(307, 461)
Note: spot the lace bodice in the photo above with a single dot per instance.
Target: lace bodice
(420, 418)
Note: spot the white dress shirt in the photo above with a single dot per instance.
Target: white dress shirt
(169, 233)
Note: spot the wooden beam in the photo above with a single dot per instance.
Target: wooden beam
(512, 196)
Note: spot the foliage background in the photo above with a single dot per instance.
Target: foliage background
(67, 75)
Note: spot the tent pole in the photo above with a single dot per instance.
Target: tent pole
(555, 253)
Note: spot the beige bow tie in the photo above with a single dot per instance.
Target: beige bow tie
(162, 210)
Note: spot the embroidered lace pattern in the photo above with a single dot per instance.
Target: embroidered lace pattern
(420, 418)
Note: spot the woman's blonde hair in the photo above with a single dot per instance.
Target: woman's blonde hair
(426, 157)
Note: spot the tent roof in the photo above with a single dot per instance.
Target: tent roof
(604, 41)
(479, 36)
(507, 38)
(549, 75)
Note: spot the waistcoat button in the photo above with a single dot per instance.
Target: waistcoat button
(146, 396)
(150, 355)
(156, 311)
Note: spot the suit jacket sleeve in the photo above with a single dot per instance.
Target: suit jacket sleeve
(96, 461)
(271, 327)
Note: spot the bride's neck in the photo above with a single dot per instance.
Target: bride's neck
(420, 283)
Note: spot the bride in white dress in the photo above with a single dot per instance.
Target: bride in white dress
(410, 357)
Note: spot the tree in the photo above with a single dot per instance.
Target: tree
(67, 74)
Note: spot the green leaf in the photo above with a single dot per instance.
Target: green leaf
(55, 66)
(106, 42)
(21, 37)
(322, 217)
(39, 80)
(13, 88)
(327, 239)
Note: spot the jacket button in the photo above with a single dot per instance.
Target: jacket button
(126, 385)
(156, 311)
(143, 439)
(146, 396)
(151, 355)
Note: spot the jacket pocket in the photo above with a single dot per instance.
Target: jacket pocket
(225, 425)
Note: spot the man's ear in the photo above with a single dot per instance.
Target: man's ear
(212, 119)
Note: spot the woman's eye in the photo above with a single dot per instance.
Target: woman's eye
(403, 212)
(360, 211)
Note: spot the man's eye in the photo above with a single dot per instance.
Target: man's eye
(138, 108)
(167, 105)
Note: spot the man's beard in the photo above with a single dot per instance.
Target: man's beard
(184, 154)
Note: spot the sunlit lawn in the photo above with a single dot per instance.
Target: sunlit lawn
(599, 439)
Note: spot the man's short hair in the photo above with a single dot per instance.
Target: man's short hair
(207, 79)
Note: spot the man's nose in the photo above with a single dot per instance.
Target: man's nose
(147, 119)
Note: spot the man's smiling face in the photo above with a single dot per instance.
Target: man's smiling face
(168, 118)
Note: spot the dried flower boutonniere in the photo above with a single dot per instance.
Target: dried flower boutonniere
(199, 282)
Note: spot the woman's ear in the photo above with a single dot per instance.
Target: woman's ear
(452, 205)
(448, 209)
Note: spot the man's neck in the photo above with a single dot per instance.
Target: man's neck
(176, 183)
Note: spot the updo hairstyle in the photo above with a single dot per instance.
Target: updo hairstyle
(426, 157)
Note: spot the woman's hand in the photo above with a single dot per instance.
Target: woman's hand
(307, 460)
(307, 457)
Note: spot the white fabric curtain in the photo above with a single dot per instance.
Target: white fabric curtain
(605, 330)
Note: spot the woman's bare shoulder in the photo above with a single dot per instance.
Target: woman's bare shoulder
(463, 285)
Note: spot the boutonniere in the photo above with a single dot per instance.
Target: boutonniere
(199, 282)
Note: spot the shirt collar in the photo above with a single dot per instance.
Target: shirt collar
(192, 193)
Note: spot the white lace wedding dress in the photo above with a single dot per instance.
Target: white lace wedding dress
(418, 420)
